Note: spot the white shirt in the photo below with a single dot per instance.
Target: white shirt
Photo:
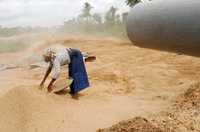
(62, 58)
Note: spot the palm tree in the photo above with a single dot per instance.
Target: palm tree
(111, 15)
(86, 11)
(113, 11)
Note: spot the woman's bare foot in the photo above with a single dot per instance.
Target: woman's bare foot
(75, 95)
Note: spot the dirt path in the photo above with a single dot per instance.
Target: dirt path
(126, 81)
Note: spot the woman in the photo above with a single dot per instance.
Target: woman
(77, 71)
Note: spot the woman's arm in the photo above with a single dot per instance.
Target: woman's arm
(51, 84)
(46, 74)
(56, 72)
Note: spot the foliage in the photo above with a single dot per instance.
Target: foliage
(132, 3)
(87, 23)
(97, 17)
(86, 12)
(111, 15)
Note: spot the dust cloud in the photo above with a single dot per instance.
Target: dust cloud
(126, 82)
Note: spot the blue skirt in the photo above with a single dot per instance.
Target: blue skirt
(77, 71)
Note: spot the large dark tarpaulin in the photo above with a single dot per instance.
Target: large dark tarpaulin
(171, 25)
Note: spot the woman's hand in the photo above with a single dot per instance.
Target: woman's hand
(90, 59)
(49, 88)
(41, 85)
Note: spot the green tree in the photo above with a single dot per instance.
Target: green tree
(111, 15)
(118, 21)
(97, 17)
(86, 12)
(132, 3)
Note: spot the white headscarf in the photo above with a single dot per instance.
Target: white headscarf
(49, 53)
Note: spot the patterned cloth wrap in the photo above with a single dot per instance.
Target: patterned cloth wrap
(77, 71)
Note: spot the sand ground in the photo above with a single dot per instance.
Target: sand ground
(126, 81)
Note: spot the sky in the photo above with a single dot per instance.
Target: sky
(49, 12)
